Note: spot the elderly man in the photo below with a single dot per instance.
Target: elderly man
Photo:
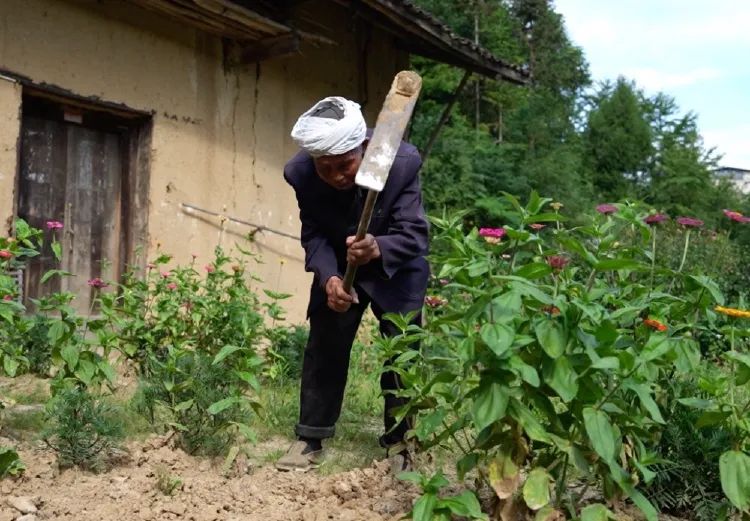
(392, 275)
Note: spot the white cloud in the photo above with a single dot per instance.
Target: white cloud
(732, 142)
(659, 80)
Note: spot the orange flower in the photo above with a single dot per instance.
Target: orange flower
(552, 310)
(655, 324)
(732, 312)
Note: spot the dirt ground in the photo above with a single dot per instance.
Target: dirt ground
(130, 491)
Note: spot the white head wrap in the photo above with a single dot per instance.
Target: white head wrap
(329, 136)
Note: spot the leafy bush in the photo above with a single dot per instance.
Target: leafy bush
(287, 351)
(82, 428)
(548, 351)
(10, 463)
(193, 340)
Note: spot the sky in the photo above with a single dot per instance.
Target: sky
(697, 51)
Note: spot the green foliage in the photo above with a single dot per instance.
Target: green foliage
(433, 506)
(193, 340)
(286, 352)
(10, 464)
(540, 363)
(167, 483)
(82, 428)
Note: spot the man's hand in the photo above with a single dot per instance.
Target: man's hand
(338, 299)
(361, 252)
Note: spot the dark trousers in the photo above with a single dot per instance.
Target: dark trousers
(325, 368)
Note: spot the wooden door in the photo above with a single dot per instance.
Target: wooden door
(73, 174)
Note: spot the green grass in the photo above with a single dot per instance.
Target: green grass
(23, 425)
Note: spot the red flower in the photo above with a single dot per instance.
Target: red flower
(435, 301)
(497, 233)
(166, 274)
(172, 286)
(7, 298)
(656, 218)
(54, 225)
(5, 254)
(97, 283)
(689, 222)
(552, 310)
(209, 268)
(537, 226)
(606, 209)
(654, 324)
(736, 216)
(557, 262)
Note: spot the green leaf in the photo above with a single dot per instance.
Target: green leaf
(734, 468)
(411, 476)
(711, 418)
(498, 337)
(528, 373)
(10, 365)
(57, 250)
(564, 379)
(544, 218)
(596, 512)
(644, 394)
(548, 513)
(743, 371)
(535, 270)
(536, 489)
(551, 337)
(217, 407)
(696, 403)
(711, 286)
(247, 432)
(225, 352)
(69, 353)
(528, 421)
(427, 425)
(57, 330)
(600, 432)
(504, 476)
(465, 504)
(424, 507)
(183, 406)
(656, 346)
(107, 370)
(85, 371)
(250, 378)
(52, 273)
(489, 404)
(467, 464)
(618, 264)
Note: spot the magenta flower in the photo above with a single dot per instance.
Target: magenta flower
(656, 219)
(166, 274)
(5, 254)
(7, 298)
(497, 233)
(54, 225)
(435, 301)
(736, 216)
(209, 268)
(97, 283)
(172, 286)
(537, 226)
(689, 222)
(557, 262)
(606, 209)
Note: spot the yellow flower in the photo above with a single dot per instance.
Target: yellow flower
(556, 206)
(737, 313)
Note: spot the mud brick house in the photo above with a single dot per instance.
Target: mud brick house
(140, 123)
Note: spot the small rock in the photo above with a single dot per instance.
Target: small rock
(23, 504)
(7, 515)
(27, 517)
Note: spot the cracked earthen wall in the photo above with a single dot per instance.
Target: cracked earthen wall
(220, 138)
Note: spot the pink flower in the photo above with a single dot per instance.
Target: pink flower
(557, 262)
(435, 301)
(5, 254)
(151, 265)
(166, 274)
(7, 298)
(54, 225)
(209, 268)
(497, 233)
(537, 226)
(444, 282)
(606, 209)
(689, 222)
(97, 283)
(736, 216)
(194, 255)
(172, 286)
(655, 218)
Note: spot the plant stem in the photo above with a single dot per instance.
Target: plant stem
(684, 251)
(653, 255)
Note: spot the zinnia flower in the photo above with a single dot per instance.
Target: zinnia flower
(654, 324)
(655, 218)
(556, 206)
(537, 226)
(5, 254)
(7, 298)
(557, 262)
(172, 286)
(54, 225)
(689, 222)
(435, 301)
(732, 312)
(736, 216)
(209, 268)
(97, 283)
(498, 233)
(606, 209)
(552, 310)
(165, 274)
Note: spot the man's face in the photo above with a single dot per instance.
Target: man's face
(339, 171)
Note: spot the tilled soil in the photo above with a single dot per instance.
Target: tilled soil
(130, 491)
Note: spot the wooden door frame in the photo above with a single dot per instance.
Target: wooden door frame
(135, 130)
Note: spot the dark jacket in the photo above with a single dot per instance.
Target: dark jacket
(398, 280)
